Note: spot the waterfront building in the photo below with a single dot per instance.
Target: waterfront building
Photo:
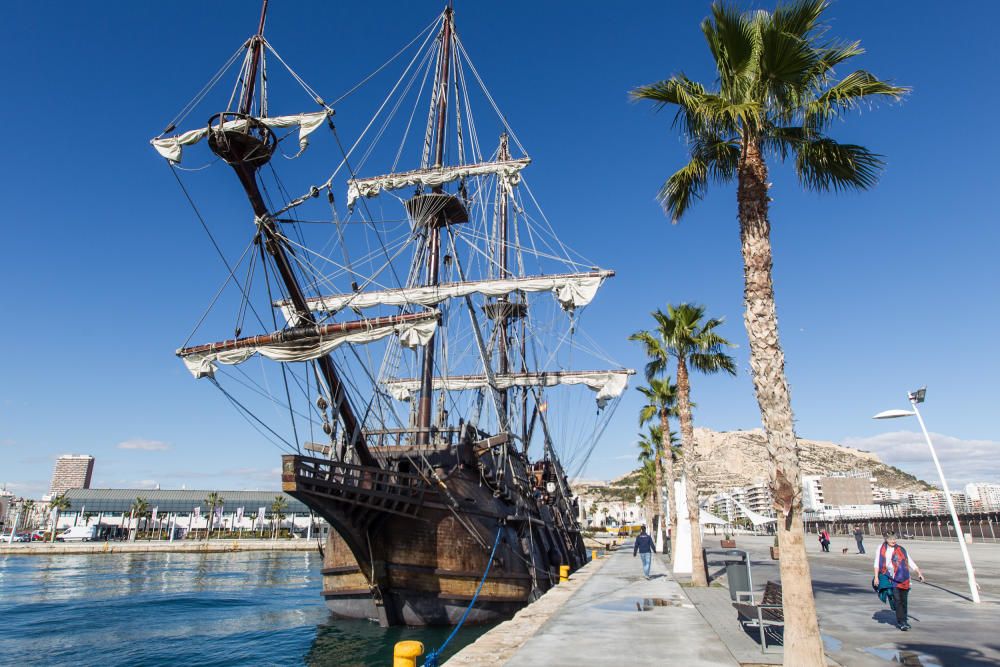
(984, 497)
(732, 504)
(246, 510)
(71, 472)
(6, 500)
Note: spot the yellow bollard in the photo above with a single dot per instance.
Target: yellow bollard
(563, 573)
(593, 554)
(405, 653)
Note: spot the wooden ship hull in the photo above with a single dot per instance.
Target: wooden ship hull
(410, 548)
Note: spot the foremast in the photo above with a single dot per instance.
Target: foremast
(246, 150)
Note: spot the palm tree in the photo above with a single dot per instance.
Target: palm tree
(661, 401)
(140, 507)
(777, 95)
(60, 504)
(649, 450)
(684, 334)
(213, 500)
(29, 514)
(277, 508)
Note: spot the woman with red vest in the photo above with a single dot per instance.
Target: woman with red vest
(892, 567)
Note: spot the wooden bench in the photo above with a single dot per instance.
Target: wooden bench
(767, 613)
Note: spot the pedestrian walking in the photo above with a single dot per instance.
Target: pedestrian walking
(892, 570)
(824, 540)
(859, 537)
(644, 547)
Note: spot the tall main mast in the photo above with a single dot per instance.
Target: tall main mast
(503, 366)
(434, 230)
(246, 150)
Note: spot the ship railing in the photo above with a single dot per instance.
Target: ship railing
(356, 485)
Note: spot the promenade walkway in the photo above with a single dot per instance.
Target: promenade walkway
(614, 617)
(609, 614)
(858, 630)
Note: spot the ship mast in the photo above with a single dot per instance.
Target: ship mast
(246, 153)
(503, 366)
(434, 231)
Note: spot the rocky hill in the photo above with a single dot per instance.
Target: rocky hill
(738, 458)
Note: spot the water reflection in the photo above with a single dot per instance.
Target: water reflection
(361, 643)
(250, 608)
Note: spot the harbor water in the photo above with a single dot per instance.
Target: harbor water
(241, 608)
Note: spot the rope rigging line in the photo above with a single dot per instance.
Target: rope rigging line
(200, 95)
(248, 415)
(284, 370)
(387, 63)
(434, 656)
(232, 274)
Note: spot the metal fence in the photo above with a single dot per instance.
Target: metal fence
(983, 527)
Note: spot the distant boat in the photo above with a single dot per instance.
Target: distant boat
(426, 390)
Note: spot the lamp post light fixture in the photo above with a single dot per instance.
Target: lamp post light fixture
(916, 397)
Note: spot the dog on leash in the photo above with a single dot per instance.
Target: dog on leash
(844, 550)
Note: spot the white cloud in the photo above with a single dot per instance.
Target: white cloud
(963, 461)
(144, 445)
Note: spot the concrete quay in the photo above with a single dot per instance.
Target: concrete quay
(141, 546)
(607, 613)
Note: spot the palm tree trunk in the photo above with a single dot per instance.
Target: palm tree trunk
(657, 499)
(668, 472)
(691, 470)
(803, 645)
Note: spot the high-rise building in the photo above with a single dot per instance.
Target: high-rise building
(72, 472)
(985, 495)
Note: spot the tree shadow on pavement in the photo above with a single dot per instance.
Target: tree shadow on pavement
(841, 588)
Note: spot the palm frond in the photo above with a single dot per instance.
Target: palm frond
(799, 18)
(828, 56)
(851, 91)
(713, 362)
(722, 155)
(683, 188)
(824, 164)
(687, 95)
(731, 41)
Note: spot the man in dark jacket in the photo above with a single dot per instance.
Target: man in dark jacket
(644, 547)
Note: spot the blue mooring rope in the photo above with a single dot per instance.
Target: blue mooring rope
(432, 657)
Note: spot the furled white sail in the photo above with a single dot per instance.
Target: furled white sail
(171, 147)
(509, 170)
(570, 289)
(607, 384)
(411, 334)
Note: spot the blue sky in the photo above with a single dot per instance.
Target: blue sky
(877, 293)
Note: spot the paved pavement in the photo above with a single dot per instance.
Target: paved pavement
(860, 631)
(612, 615)
(618, 617)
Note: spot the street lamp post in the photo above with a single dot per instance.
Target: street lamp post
(918, 397)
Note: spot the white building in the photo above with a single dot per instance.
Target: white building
(984, 497)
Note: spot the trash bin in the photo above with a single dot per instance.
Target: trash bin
(738, 578)
(737, 569)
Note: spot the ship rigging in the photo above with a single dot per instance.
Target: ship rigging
(428, 348)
